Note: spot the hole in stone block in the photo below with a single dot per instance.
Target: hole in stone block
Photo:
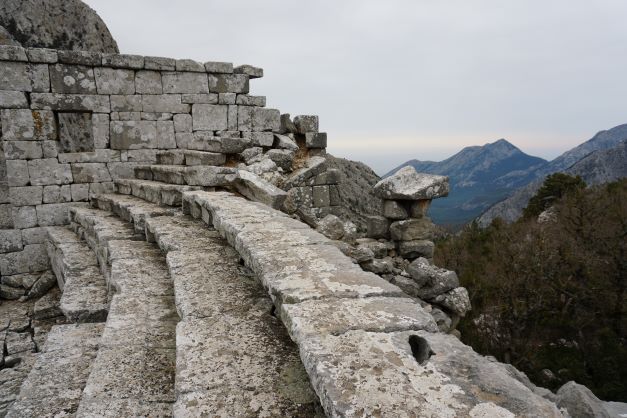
(420, 349)
(75, 132)
(273, 311)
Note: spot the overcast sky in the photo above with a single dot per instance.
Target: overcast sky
(394, 80)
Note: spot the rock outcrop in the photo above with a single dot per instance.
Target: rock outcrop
(56, 24)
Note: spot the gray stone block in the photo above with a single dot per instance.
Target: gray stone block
(306, 123)
(42, 55)
(249, 70)
(228, 83)
(159, 63)
(258, 119)
(148, 82)
(12, 53)
(40, 78)
(227, 98)
(24, 217)
(70, 102)
(90, 173)
(165, 135)
(209, 117)
(76, 132)
(246, 100)
(25, 196)
(170, 103)
(416, 248)
(54, 214)
(135, 62)
(48, 171)
(316, 140)
(57, 194)
(189, 65)
(321, 197)
(377, 227)
(75, 79)
(23, 150)
(232, 118)
(126, 103)
(207, 98)
(10, 240)
(412, 229)
(15, 76)
(98, 156)
(395, 210)
(115, 80)
(156, 116)
(17, 173)
(80, 57)
(25, 125)
(6, 217)
(219, 67)
(50, 148)
(407, 184)
(12, 99)
(80, 192)
(34, 235)
(182, 122)
(133, 134)
(175, 82)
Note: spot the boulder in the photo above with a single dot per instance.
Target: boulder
(416, 248)
(580, 402)
(407, 184)
(331, 227)
(456, 301)
(412, 229)
(394, 210)
(431, 280)
(56, 24)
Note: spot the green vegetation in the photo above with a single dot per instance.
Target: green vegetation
(552, 294)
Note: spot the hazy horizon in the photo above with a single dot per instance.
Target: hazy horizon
(408, 79)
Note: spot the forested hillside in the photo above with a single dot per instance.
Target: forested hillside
(549, 291)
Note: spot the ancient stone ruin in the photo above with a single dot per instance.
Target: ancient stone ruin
(171, 247)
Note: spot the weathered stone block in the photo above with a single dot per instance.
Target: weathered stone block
(170, 103)
(321, 197)
(165, 135)
(182, 122)
(34, 236)
(48, 171)
(416, 248)
(80, 57)
(24, 125)
(10, 240)
(395, 210)
(123, 61)
(209, 117)
(80, 192)
(40, 78)
(148, 82)
(126, 103)
(100, 125)
(76, 132)
(262, 139)
(71, 102)
(42, 55)
(133, 134)
(23, 150)
(377, 226)
(12, 99)
(90, 173)
(17, 173)
(72, 79)
(246, 100)
(114, 81)
(227, 98)
(126, 116)
(15, 76)
(24, 217)
(412, 229)
(258, 119)
(207, 98)
(407, 184)
(316, 140)
(159, 63)
(175, 82)
(228, 83)
(249, 70)
(50, 148)
(306, 123)
(219, 67)
(12, 53)
(156, 116)
(25, 196)
(6, 218)
(232, 118)
(57, 194)
(189, 65)
(53, 214)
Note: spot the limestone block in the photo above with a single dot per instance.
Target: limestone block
(114, 81)
(25, 196)
(321, 197)
(165, 135)
(98, 156)
(416, 248)
(187, 82)
(209, 117)
(17, 173)
(407, 184)
(72, 79)
(12, 99)
(71, 102)
(90, 173)
(334, 195)
(12, 53)
(126, 116)
(123, 61)
(258, 119)
(23, 150)
(25, 125)
(377, 226)
(15, 76)
(284, 142)
(54, 213)
(32, 259)
(189, 65)
(432, 280)
(456, 301)
(219, 67)
(228, 83)
(249, 70)
(232, 118)
(182, 122)
(306, 123)
(227, 98)
(259, 190)
(156, 116)
(316, 140)
(412, 229)
(40, 78)
(330, 176)
(42, 55)
(207, 98)
(133, 134)
(57, 194)
(126, 103)
(395, 210)
(287, 126)
(24, 217)
(148, 82)
(170, 103)
(246, 100)
(10, 240)
(6, 217)
(159, 63)
(76, 132)
(19, 342)
(49, 171)
(282, 158)
(79, 192)
(80, 57)
(50, 148)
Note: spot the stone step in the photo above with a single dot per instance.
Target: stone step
(365, 345)
(255, 371)
(84, 297)
(154, 191)
(131, 209)
(55, 383)
(190, 157)
(133, 373)
(200, 175)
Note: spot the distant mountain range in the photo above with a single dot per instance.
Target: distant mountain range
(498, 179)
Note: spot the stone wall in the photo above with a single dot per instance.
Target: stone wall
(73, 122)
